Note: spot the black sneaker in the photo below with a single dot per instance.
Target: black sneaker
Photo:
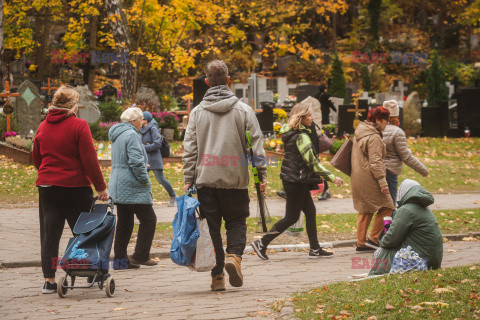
(372, 244)
(319, 253)
(282, 194)
(324, 196)
(49, 287)
(260, 249)
(364, 248)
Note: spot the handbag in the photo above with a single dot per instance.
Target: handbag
(204, 259)
(165, 148)
(324, 142)
(343, 158)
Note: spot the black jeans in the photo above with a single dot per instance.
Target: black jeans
(298, 199)
(232, 206)
(146, 230)
(55, 205)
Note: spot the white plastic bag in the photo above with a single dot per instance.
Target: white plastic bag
(204, 253)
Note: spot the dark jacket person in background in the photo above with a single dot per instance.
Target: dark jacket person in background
(64, 154)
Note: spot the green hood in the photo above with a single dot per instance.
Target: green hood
(417, 195)
(286, 128)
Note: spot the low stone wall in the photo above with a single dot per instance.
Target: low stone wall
(16, 154)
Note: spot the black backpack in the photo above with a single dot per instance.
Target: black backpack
(165, 148)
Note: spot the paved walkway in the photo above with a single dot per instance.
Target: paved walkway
(20, 237)
(172, 292)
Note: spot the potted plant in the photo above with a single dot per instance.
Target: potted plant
(167, 123)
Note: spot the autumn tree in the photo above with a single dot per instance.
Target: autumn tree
(2, 67)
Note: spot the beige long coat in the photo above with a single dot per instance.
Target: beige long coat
(368, 170)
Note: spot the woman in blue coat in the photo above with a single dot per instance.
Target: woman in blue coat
(130, 188)
(152, 141)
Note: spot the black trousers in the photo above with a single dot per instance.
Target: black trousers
(55, 205)
(233, 206)
(148, 221)
(298, 199)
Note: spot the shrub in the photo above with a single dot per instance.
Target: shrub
(100, 130)
(411, 114)
(337, 87)
(336, 145)
(437, 89)
(166, 119)
(111, 110)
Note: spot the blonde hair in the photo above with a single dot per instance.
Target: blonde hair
(132, 114)
(297, 114)
(65, 98)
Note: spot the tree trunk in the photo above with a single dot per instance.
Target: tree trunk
(92, 46)
(43, 62)
(334, 31)
(2, 64)
(123, 43)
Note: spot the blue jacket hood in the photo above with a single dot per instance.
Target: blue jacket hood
(149, 126)
(118, 129)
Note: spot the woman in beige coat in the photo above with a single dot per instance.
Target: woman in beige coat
(397, 151)
(369, 185)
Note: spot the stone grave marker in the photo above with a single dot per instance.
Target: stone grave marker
(107, 91)
(337, 102)
(266, 96)
(346, 115)
(87, 108)
(199, 90)
(147, 96)
(28, 108)
(380, 98)
(305, 91)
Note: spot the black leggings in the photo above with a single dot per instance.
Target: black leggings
(298, 199)
(57, 204)
(146, 230)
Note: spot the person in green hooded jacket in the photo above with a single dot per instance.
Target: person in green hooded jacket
(414, 225)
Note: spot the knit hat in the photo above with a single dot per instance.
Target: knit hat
(406, 185)
(392, 106)
(131, 114)
(147, 116)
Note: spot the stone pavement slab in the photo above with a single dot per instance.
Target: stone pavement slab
(171, 292)
(20, 230)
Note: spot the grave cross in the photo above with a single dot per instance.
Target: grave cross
(8, 109)
(48, 87)
(356, 109)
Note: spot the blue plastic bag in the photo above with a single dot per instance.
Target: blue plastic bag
(185, 231)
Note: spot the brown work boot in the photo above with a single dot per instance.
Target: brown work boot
(234, 270)
(218, 283)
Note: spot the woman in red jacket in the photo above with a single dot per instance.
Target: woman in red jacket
(67, 165)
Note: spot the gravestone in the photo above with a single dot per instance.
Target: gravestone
(107, 91)
(469, 110)
(380, 98)
(252, 92)
(348, 96)
(315, 108)
(199, 90)
(147, 96)
(435, 120)
(284, 62)
(345, 118)
(28, 107)
(337, 102)
(266, 96)
(87, 108)
(305, 91)
(265, 118)
(18, 71)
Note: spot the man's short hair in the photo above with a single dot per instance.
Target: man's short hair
(217, 73)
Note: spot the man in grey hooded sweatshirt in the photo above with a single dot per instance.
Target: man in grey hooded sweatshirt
(215, 159)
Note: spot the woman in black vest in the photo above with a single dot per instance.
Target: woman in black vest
(300, 172)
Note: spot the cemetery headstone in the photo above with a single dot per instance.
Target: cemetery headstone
(107, 91)
(284, 62)
(266, 96)
(346, 115)
(147, 96)
(380, 98)
(28, 109)
(348, 96)
(49, 94)
(337, 102)
(469, 110)
(18, 71)
(199, 90)
(316, 109)
(305, 91)
(265, 118)
(87, 108)
(435, 120)
(253, 90)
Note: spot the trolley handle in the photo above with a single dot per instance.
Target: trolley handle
(110, 204)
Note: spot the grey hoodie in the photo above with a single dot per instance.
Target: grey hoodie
(215, 147)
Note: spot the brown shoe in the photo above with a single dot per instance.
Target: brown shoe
(218, 283)
(148, 262)
(234, 270)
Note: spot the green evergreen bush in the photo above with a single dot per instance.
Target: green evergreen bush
(337, 87)
(437, 89)
(111, 110)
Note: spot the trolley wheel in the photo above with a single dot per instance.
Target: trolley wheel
(61, 290)
(110, 287)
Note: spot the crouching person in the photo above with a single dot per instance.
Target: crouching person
(414, 225)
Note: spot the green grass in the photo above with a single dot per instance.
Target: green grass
(335, 227)
(451, 293)
(454, 167)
